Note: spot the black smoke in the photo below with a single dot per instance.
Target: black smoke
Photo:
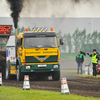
(76, 1)
(16, 7)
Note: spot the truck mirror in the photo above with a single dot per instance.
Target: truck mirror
(18, 42)
(61, 42)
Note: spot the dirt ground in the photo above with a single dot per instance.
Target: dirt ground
(80, 86)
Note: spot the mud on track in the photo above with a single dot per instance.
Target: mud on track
(80, 86)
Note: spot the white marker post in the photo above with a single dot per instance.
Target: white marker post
(0, 79)
(64, 86)
(26, 84)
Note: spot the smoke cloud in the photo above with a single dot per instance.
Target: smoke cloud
(15, 7)
(61, 8)
(55, 8)
(77, 1)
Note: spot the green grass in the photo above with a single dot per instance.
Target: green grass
(10, 93)
(90, 76)
(74, 73)
(72, 56)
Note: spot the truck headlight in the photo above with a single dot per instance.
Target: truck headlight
(28, 67)
(55, 66)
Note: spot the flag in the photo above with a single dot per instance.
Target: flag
(83, 53)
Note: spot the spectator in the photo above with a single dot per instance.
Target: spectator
(79, 60)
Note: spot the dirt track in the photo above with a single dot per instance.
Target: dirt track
(80, 86)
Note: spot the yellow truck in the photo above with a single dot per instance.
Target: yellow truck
(38, 54)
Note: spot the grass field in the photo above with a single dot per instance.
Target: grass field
(11, 93)
(74, 73)
(91, 76)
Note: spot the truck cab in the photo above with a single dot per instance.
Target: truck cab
(38, 55)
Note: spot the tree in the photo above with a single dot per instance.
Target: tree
(67, 41)
(22, 29)
(59, 34)
(98, 39)
(88, 42)
(94, 39)
(29, 29)
(18, 30)
(83, 39)
(76, 39)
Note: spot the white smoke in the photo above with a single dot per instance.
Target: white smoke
(56, 8)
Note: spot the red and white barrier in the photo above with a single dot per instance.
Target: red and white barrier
(26, 84)
(0, 79)
(64, 86)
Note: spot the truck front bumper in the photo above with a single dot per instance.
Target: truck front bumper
(40, 68)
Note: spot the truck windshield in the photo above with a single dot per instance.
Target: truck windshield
(40, 42)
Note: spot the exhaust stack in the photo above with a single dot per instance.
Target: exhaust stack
(15, 42)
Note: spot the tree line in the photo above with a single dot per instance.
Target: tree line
(78, 40)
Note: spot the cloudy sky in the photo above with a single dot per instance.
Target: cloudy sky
(60, 8)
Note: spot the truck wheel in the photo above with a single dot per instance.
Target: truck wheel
(56, 76)
(20, 76)
(7, 71)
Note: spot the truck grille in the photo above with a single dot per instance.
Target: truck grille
(41, 70)
(32, 59)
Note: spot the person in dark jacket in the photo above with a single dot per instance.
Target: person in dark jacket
(79, 60)
(95, 58)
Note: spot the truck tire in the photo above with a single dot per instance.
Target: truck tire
(7, 71)
(20, 75)
(56, 75)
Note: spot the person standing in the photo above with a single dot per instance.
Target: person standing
(95, 58)
(79, 60)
